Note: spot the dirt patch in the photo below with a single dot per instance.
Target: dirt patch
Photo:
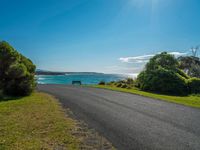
(90, 139)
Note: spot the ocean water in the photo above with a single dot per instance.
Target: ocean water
(84, 78)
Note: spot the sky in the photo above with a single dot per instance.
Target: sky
(110, 36)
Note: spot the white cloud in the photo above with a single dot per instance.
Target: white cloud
(137, 59)
(120, 69)
(145, 58)
(177, 54)
(133, 65)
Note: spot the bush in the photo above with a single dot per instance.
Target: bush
(162, 75)
(130, 81)
(128, 87)
(124, 86)
(118, 84)
(16, 72)
(127, 83)
(183, 74)
(194, 85)
(111, 83)
(162, 81)
(191, 65)
(102, 83)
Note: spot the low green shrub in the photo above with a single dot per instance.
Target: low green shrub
(127, 83)
(128, 87)
(118, 84)
(130, 81)
(124, 86)
(194, 85)
(111, 83)
(102, 83)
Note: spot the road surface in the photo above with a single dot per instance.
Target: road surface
(132, 122)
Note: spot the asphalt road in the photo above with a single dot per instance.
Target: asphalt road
(132, 122)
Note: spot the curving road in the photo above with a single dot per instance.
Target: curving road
(132, 122)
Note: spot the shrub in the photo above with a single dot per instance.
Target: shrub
(130, 81)
(191, 65)
(16, 72)
(118, 84)
(124, 86)
(194, 85)
(163, 76)
(128, 87)
(127, 83)
(162, 81)
(111, 83)
(102, 83)
(183, 74)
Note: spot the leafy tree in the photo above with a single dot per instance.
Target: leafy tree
(16, 72)
(163, 60)
(162, 75)
(190, 65)
(194, 85)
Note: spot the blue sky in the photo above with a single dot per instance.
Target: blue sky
(113, 36)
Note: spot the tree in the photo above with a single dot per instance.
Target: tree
(194, 85)
(190, 65)
(163, 60)
(16, 72)
(162, 75)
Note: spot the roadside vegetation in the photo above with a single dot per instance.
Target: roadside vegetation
(16, 72)
(35, 122)
(38, 122)
(165, 77)
(190, 100)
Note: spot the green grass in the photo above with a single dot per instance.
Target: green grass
(35, 122)
(191, 100)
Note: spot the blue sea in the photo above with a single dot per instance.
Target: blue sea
(85, 78)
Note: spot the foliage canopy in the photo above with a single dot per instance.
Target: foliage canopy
(162, 75)
(16, 72)
(190, 65)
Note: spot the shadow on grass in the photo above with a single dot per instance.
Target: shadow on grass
(9, 98)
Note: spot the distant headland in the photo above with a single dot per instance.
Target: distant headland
(45, 72)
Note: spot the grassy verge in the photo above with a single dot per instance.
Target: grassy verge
(192, 100)
(35, 122)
